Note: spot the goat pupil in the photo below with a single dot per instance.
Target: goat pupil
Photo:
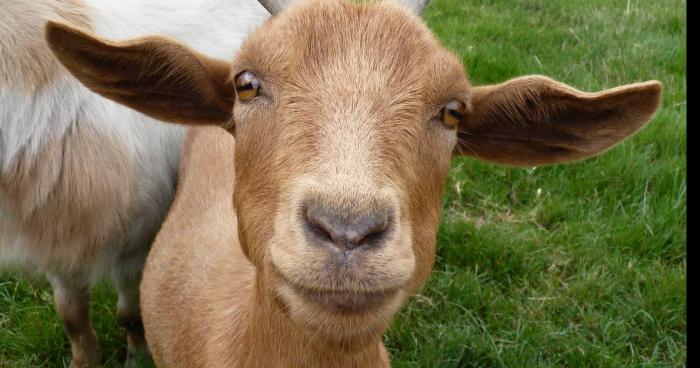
(452, 113)
(247, 86)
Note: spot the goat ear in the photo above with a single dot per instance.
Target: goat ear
(153, 75)
(534, 120)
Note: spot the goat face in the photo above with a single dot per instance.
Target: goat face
(341, 158)
(346, 117)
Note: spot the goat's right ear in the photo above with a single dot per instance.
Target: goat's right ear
(153, 75)
(535, 120)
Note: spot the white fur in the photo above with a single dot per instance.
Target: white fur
(213, 27)
(40, 102)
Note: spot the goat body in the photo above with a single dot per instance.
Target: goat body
(84, 182)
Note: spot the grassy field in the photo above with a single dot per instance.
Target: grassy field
(581, 265)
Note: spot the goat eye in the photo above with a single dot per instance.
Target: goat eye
(452, 113)
(247, 86)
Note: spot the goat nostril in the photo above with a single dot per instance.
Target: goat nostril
(317, 225)
(367, 230)
(343, 230)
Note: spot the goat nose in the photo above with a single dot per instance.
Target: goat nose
(345, 230)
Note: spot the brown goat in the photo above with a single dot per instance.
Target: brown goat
(345, 119)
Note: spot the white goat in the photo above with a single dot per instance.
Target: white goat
(84, 182)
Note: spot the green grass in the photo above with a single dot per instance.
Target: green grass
(580, 265)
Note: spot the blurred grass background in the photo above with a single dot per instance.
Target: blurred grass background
(579, 265)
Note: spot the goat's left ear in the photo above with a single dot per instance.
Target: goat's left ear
(534, 120)
(153, 75)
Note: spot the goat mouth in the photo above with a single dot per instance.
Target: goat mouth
(341, 300)
(346, 301)
(349, 301)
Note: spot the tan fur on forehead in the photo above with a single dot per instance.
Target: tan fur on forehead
(340, 43)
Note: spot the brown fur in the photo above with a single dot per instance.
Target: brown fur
(75, 191)
(566, 124)
(228, 324)
(73, 306)
(346, 118)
